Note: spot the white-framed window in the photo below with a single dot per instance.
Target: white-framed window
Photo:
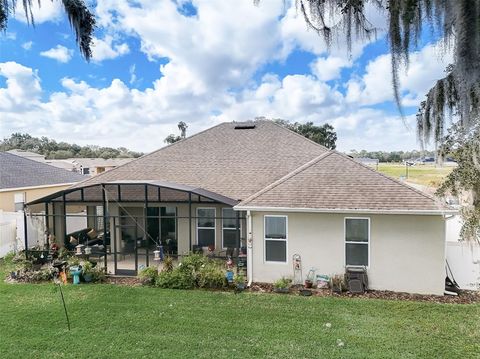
(206, 226)
(357, 241)
(229, 228)
(275, 230)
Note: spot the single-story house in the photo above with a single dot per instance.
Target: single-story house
(266, 193)
(26, 178)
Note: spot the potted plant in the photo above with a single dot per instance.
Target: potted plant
(282, 285)
(239, 281)
(87, 271)
(337, 283)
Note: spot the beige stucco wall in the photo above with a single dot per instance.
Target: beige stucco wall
(7, 197)
(407, 252)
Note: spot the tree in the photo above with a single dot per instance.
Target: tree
(324, 135)
(171, 138)
(61, 150)
(80, 17)
(453, 100)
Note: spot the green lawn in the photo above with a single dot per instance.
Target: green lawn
(426, 175)
(137, 322)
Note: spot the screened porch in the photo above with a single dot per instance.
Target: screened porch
(125, 226)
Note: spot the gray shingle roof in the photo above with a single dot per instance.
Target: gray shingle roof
(333, 181)
(232, 162)
(270, 166)
(17, 172)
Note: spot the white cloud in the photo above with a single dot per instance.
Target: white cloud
(375, 86)
(329, 68)
(22, 91)
(59, 53)
(27, 45)
(47, 11)
(107, 49)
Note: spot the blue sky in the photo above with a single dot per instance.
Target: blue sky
(203, 62)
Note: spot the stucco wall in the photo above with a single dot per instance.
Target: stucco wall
(7, 198)
(407, 253)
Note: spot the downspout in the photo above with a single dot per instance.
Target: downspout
(249, 249)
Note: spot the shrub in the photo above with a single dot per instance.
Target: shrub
(211, 275)
(149, 275)
(282, 283)
(98, 274)
(176, 279)
(193, 262)
(168, 264)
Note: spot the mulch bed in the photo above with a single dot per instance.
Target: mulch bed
(465, 296)
(131, 281)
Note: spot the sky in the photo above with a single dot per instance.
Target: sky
(158, 62)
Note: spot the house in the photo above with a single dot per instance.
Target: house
(95, 166)
(262, 193)
(27, 154)
(24, 179)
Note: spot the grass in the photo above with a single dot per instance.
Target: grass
(426, 175)
(138, 322)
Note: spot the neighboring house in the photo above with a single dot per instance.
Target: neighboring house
(268, 193)
(95, 166)
(23, 179)
(27, 154)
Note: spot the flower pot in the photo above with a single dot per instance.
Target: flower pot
(308, 284)
(281, 290)
(240, 286)
(87, 278)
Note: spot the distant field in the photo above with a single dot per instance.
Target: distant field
(426, 175)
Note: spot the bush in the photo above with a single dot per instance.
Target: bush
(211, 275)
(193, 262)
(176, 279)
(149, 275)
(98, 274)
(282, 283)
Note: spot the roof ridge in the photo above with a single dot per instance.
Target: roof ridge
(151, 153)
(389, 178)
(287, 176)
(297, 134)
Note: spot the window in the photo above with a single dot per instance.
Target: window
(229, 228)
(275, 230)
(357, 238)
(206, 227)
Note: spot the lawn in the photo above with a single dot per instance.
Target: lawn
(111, 321)
(426, 175)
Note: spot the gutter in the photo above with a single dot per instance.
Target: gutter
(249, 249)
(12, 189)
(346, 211)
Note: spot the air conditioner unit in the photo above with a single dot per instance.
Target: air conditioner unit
(357, 279)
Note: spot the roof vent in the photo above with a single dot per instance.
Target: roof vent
(244, 126)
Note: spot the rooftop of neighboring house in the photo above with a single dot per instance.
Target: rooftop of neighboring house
(99, 162)
(27, 154)
(19, 172)
(262, 164)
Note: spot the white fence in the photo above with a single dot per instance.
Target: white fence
(464, 261)
(12, 231)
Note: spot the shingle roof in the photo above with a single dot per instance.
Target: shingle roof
(270, 166)
(333, 181)
(17, 172)
(232, 162)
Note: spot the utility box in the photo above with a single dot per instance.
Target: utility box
(357, 279)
